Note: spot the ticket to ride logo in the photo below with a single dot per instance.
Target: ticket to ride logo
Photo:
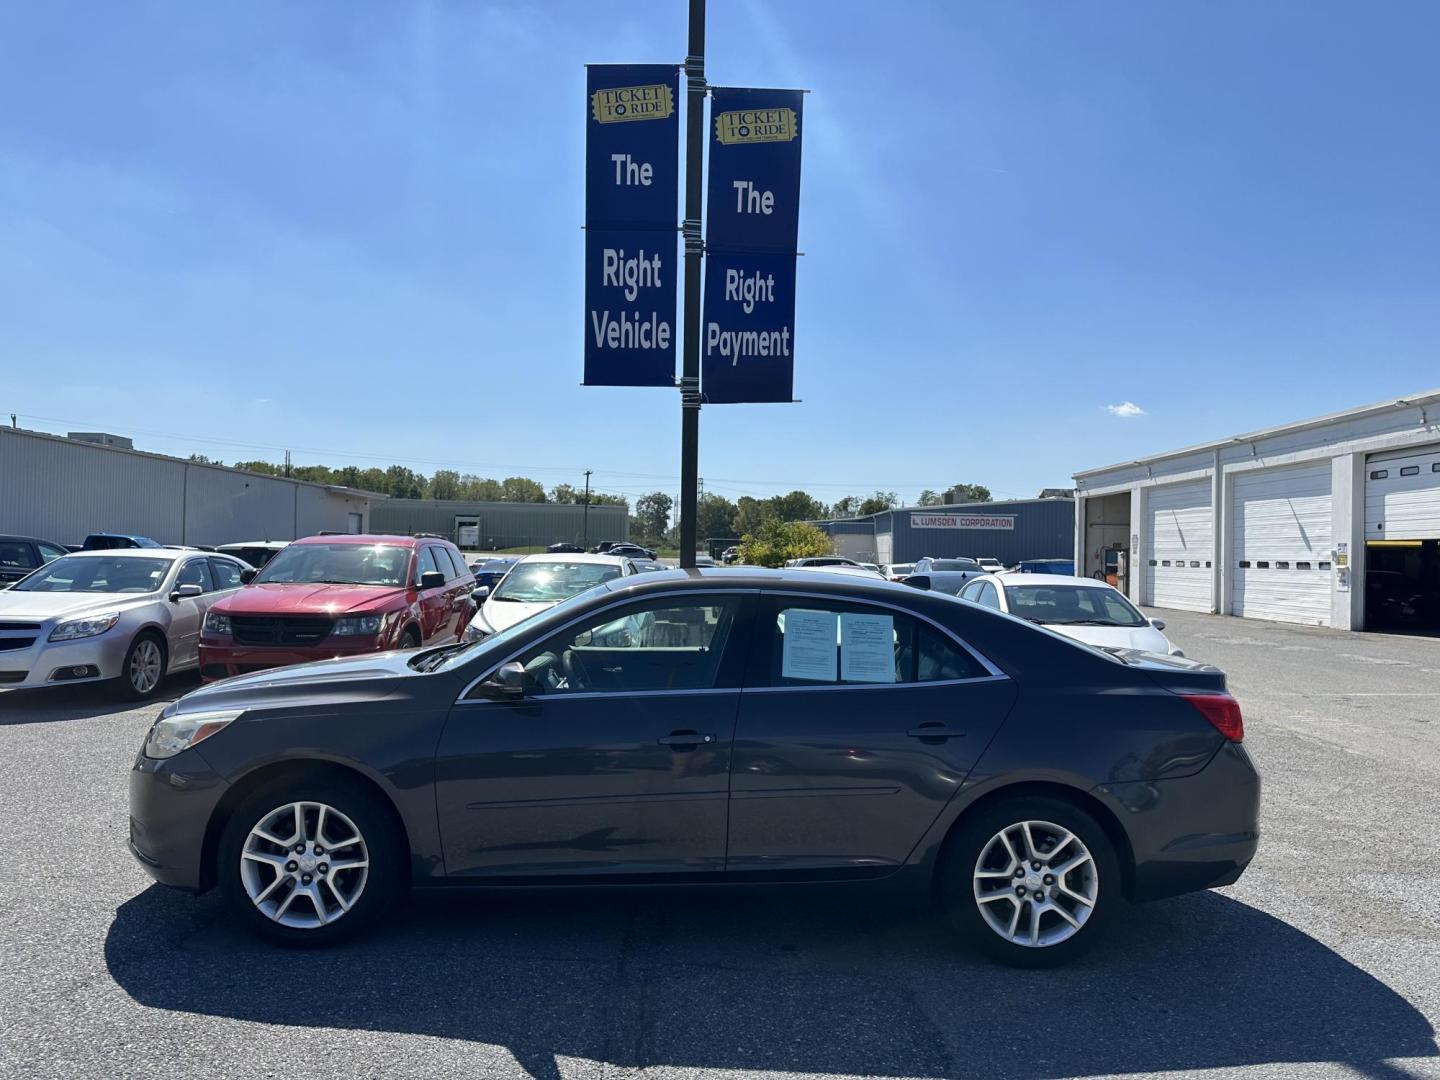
(755, 126)
(622, 104)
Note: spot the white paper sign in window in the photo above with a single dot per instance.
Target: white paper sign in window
(867, 648)
(810, 638)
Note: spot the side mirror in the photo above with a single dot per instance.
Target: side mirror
(506, 684)
(432, 579)
(918, 581)
(248, 575)
(479, 594)
(186, 592)
(1158, 624)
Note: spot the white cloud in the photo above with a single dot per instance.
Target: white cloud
(1125, 408)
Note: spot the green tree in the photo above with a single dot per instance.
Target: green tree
(603, 498)
(881, 500)
(963, 493)
(928, 498)
(849, 506)
(521, 489)
(652, 515)
(776, 541)
(375, 480)
(480, 488)
(445, 484)
(202, 459)
(750, 514)
(796, 506)
(713, 516)
(568, 493)
(316, 474)
(403, 483)
(262, 467)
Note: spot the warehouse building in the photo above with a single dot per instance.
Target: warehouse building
(63, 489)
(1009, 531)
(494, 526)
(1333, 521)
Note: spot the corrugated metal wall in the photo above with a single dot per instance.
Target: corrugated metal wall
(502, 524)
(62, 490)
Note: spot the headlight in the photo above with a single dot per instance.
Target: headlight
(87, 627)
(474, 633)
(216, 623)
(176, 732)
(353, 625)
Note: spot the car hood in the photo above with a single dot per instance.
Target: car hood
(48, 605)
(1142, 638)
(497, 615)
(338, 679)
(268, 599)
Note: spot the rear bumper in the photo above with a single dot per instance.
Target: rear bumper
(1193, 832)
(171, 803)
(220, 661)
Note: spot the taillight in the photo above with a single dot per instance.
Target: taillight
(1223, 712)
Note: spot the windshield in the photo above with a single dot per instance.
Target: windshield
(97, 574)
(551, 582)
(954, 564)
(1074, 605)
(337, 564)
(449, 657)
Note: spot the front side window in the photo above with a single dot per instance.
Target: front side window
(227, 573)
(97, 574)
(988, 596)
(16, 555)
(832, 643)
(1073, 605)
(659, 645)
(550, 582)
(426, 564)
(196, 572)
(337, 564)
(49, 551)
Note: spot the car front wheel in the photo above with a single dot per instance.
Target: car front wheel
(309, 863)
(1030, 882)
(143, 669)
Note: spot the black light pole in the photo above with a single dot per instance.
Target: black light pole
(694, 249)
(585, 540)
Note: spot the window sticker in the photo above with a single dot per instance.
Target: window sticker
(809, 651)
(867, 648)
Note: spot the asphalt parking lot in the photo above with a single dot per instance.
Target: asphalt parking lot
(1323, 961)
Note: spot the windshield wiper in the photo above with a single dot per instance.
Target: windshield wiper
(1087, 622)
(431, 661)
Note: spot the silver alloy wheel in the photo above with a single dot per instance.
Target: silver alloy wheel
(292, 852)
(146, 661)
(1036, 884)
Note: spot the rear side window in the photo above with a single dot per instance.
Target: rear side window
(824, 643)
(16, 555)
(448, 557)
(227, 573)
(49, 552)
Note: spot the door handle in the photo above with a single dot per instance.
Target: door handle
(685, 738)
(936, 731)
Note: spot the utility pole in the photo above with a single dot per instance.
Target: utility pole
(585, 540)
(695, 133)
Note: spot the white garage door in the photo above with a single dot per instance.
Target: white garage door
(1280, 528)
(1179, 545)
(1402, 496)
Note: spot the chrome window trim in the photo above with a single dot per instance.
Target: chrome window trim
(829, 687)
(618, 602)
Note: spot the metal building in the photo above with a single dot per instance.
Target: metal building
(1009, 531)
(490, 526)
(61, 489)
(1333, 521)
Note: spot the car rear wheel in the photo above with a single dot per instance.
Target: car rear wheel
(309, 863)
(143, 669)
(1030, 882)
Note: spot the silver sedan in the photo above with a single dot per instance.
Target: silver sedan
(131, 616)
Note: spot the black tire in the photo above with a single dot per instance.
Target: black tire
(410, 639)
(958, 885)
(385, 874)
(124, 687)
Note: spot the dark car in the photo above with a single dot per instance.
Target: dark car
(882, 734)
(944, 575)
(630, 551)
(112, 541)
(21, 554)
(488, 572)
(565, 549)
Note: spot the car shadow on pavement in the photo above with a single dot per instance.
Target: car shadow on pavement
(87, 701)
(801, 981)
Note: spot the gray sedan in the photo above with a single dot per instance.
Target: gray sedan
(130, 616)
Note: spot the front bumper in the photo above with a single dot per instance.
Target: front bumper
(1192, 832)
(221, 659)
(52, 663)
(171, 804)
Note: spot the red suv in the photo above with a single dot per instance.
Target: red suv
(329, 596)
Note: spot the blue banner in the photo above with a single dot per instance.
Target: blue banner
(632, 143)
(747, 345)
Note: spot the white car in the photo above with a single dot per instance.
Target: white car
(841, 568)
(538, 582)
(1082, 608)
(991, 566)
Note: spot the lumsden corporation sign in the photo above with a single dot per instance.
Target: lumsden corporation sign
(962, 521)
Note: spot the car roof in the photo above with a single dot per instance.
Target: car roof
(277, 544)
(1052, 579)
(136, 553)
(818, 579)
(576, 557)
(367, 538)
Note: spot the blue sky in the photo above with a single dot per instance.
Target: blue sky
(352, 228)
